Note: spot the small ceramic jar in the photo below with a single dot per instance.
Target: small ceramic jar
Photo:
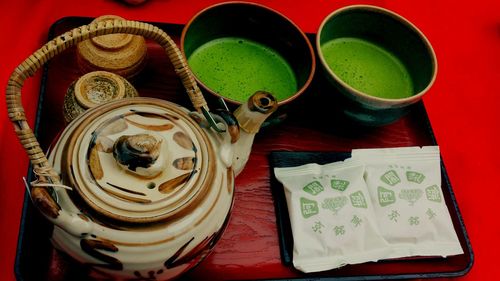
(123, 54)
(93, 89)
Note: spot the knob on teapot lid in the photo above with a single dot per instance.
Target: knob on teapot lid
(138, 160)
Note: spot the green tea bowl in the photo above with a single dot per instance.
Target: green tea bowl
(235, 49)
(377, 64)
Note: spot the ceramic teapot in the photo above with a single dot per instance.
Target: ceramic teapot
(139, 187)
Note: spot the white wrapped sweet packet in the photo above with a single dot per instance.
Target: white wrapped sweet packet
(405, 187)
(331, 216)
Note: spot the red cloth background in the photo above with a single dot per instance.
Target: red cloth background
(463, 104)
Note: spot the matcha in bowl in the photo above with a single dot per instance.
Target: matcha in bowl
(378, 62)
(235, 49)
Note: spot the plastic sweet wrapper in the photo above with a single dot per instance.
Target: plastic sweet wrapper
(378, 204)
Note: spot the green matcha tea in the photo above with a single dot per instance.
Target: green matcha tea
(368, 68)
(236, 68)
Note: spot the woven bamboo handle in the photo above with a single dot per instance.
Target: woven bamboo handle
(40, 193)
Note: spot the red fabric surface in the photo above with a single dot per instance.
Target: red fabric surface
(462, 105)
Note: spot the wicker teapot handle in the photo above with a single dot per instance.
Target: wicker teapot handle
(47, 176)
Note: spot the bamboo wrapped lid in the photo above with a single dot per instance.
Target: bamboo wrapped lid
(123, 54)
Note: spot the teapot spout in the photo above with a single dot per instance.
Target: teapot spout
(250, 116)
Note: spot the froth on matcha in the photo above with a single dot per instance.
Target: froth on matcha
(368, 68)
(236, 68)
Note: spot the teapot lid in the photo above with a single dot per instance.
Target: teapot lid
(139, 160)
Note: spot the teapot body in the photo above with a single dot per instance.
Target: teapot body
(160, 238)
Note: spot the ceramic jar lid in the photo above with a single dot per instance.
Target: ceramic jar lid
(123, 54)
(93, 89)
(139, 160)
